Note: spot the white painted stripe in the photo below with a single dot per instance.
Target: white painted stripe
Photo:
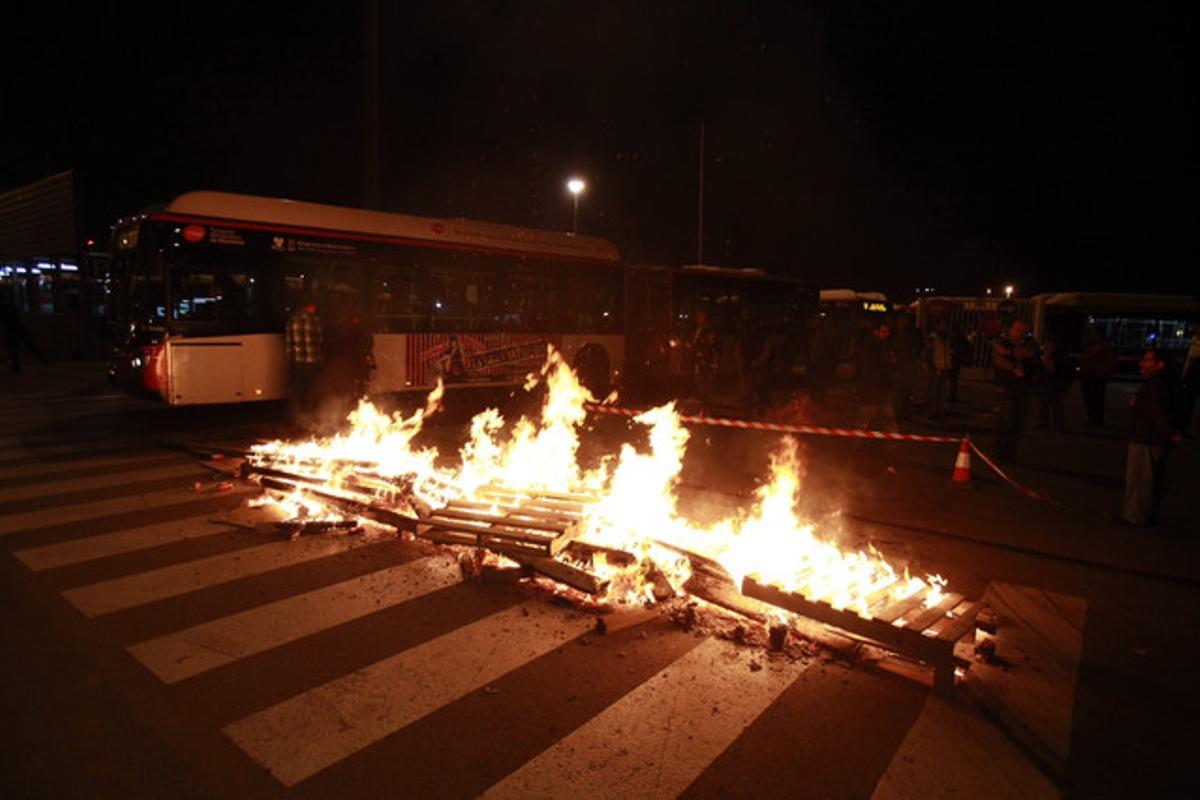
(101, 480)
(90, 548)
(950, 751)
(307, 733)
(214, 644)
(98, 464)
(656, 740)
(14, 523)
(148, 587)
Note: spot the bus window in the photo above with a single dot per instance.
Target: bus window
(398, 303)
(211, 295)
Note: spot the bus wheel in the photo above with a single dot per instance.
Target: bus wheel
(593, 369)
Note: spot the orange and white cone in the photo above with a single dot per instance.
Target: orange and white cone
(962, 465)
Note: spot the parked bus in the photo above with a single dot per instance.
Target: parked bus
(847, 314)
(1131, 322)
(201, 289)
(662, 305)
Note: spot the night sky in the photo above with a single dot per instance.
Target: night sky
(886, 146)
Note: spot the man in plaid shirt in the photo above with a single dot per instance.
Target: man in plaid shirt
(305, 342)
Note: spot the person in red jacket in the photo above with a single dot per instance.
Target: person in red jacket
(1151, 435)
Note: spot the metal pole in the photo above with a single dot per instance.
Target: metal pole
(575, 213)
(371, 120)
(700, 209)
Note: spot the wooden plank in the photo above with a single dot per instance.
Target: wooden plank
(563, 573)
(543, 513)
(898, 608)
(879, 598)
(470, 515)
(364, 509)
(475, 533)
(926, 617)
(516, 528)
(563, 497)
(960, 626)
(461, 539)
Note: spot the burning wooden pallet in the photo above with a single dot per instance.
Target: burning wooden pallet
(531, 527)
(905, 626)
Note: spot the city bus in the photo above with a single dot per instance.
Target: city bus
(201, 288)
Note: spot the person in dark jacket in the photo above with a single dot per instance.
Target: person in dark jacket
(14, 333)
(874, 373)
(1151, 435)
(1054, 379)
(1014, 358)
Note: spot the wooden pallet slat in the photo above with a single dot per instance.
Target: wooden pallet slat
(898, 608)
(923, 618)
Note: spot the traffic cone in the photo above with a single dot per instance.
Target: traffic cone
(962, 465)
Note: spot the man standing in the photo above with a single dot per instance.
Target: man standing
(908, 344)
(1150, 438)
(939, 359)
(305, 342)
(1053, 381)
(874, 370)
(704, 355)
(1014, 358)
(15, 334)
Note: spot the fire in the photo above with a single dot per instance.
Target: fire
(634, 507)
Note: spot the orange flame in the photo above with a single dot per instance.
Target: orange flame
(636, 506)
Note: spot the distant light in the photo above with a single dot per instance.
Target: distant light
(36, 271)
(575, 186)
(69, 268)
(437, 304)
(1008, 291)
(91, 242)
(45, 265)
(989, 291)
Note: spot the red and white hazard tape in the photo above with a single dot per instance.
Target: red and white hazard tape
(1020, 487)
(817, 430)
(812, 430)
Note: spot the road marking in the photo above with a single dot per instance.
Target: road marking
(101, 480)
(98, 464)
(141, 588)
(91, 548)
(656, 740)
(15, 523)
(969, 756)
(198, 649)
(307, 733)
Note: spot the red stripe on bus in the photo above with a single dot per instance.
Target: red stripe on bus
(163, 216)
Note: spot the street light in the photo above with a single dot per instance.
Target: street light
(1008, 290)
(575, 186)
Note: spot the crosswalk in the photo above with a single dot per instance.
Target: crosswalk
(520, 693)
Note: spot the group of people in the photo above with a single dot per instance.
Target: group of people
(1159, 411)
(887, 368)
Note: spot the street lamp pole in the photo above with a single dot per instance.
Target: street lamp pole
(575, 186)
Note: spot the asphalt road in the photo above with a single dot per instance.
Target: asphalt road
(164, 641)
